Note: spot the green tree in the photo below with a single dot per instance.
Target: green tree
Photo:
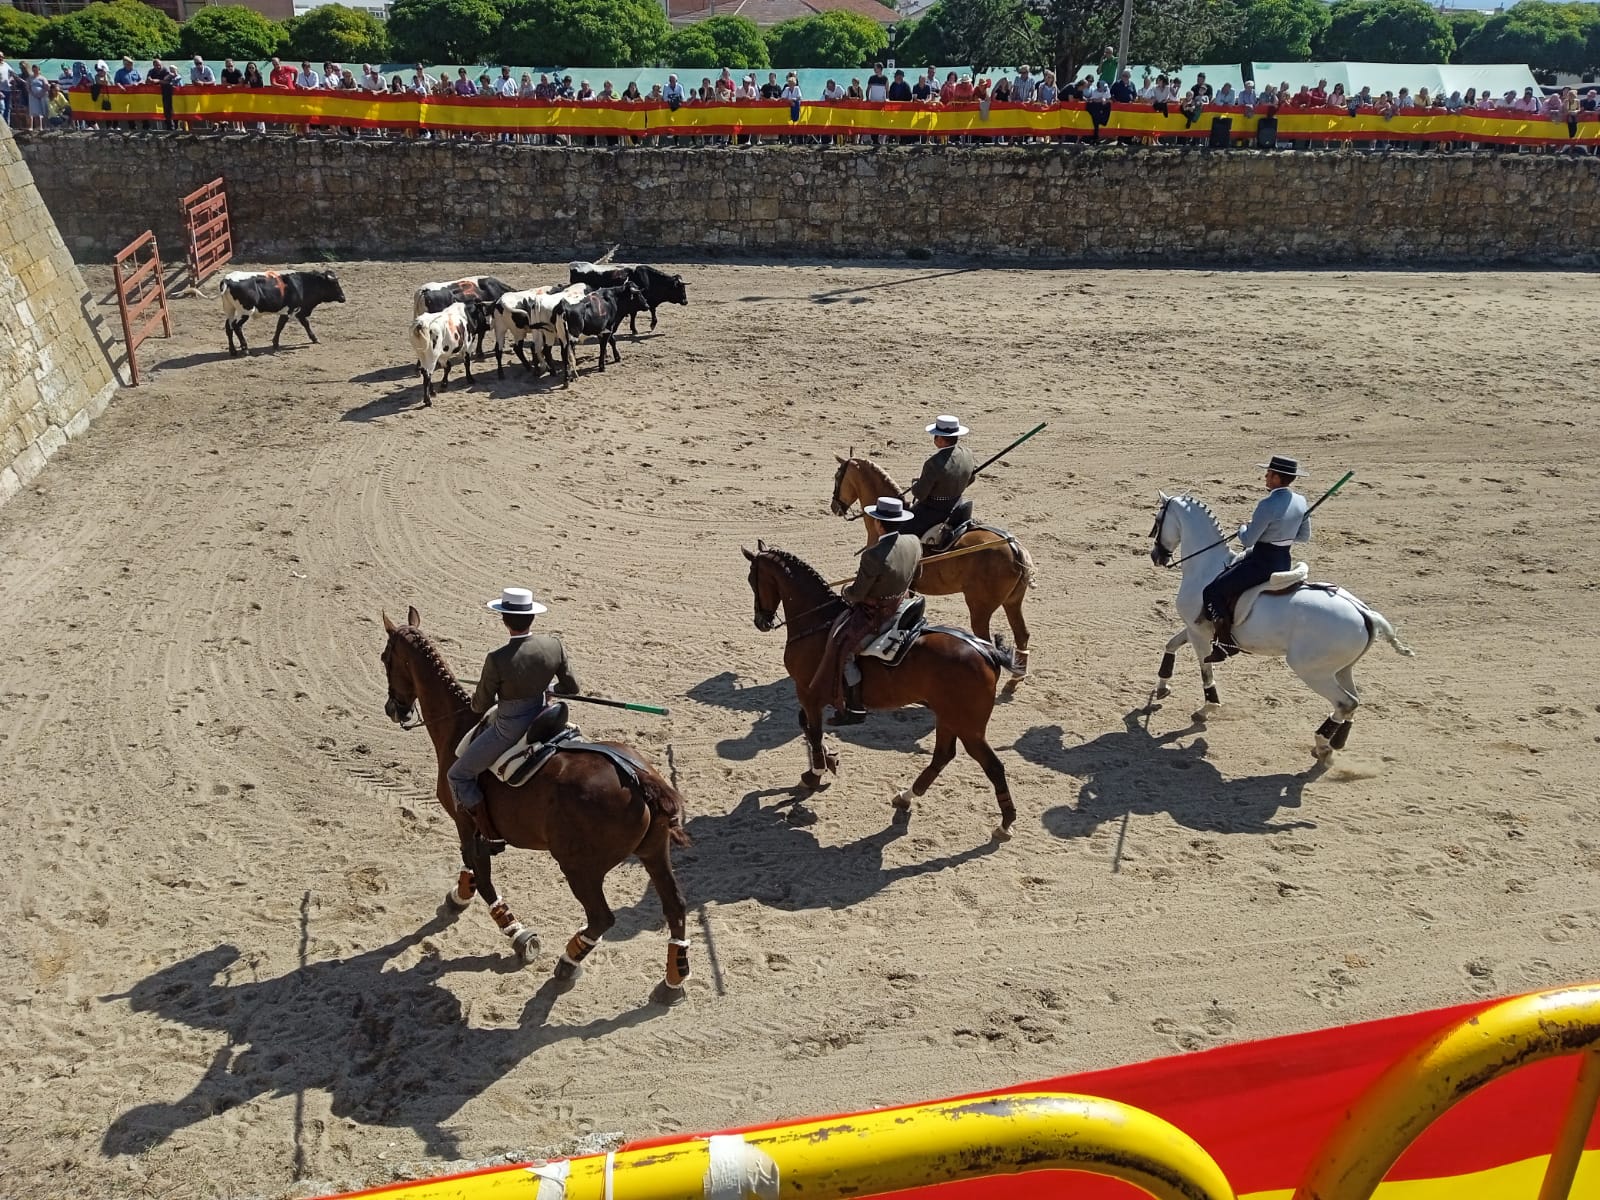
(738, 41)
(1463, 22)
(1396, 31)
(979, 33)
(334, 33)
(18, 31)
(1548, 37)
(232, 31)
(444, 31)
(109, 29)
(1167, 33)
(833, 39)
(1273, 31)
(584, 33)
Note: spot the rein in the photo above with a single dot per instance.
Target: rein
(1180, 561)
(420, 722)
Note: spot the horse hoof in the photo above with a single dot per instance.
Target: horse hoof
(565, 972)
(456, 900)
(1162, 691)
(1322, 751)
(526, 944)
(830, 760)
(666, 995)
(902, 800)
(1002, 832)
(812, 781)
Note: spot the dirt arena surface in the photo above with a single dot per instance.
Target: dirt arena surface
(224, 972)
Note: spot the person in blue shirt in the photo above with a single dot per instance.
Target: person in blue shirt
(128, 74)
(1278, 522)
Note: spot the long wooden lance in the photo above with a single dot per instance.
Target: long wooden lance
(1344, 479)
(653, 709)
(990, 461)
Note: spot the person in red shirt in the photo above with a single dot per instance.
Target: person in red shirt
(281, 76)
(1319, 94)
(1302, 98)
(964, 88)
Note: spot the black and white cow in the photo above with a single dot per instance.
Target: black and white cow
(436, 297)
(600, 312)
(287, 293)
(536, 315)
(658, 287)
(443, 337)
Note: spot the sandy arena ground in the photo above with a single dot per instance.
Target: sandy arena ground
(224, 969)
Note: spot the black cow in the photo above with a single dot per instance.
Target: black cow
(287, 293)
(658, 287)
(600, 312)
(479, 289)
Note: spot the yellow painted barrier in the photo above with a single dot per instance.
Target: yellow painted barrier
(1419, 1087)
(871, 1153)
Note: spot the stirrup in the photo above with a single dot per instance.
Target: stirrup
(848, 716)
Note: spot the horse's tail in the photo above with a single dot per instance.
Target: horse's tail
(1378, 626)
(664, 800)
(1026, 560)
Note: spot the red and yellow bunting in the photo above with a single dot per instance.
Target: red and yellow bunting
(493, 115)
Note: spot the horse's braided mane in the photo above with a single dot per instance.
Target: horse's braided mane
(887, 478)
(793, 565)
(421, 643)
(1204, 507)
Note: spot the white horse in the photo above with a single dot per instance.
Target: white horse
(1321, 631)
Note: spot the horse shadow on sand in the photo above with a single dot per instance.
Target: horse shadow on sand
(777, 720)
(766, 853)
(389, 1047)
(1134, 771)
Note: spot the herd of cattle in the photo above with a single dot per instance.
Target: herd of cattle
(451, 320)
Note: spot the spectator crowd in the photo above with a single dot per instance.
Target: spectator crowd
(31, 101)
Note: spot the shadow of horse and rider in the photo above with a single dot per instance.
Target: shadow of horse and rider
(394, 1047)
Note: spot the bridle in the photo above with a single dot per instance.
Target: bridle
(1160, 555)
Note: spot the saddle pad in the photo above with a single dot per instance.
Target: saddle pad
(521, 763)
(890, 645)
(524, 772)
(902, 647)
(1281, 581)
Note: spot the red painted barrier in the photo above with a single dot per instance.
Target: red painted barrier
(141, 296)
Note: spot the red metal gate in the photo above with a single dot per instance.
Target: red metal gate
(210, 236)
(141, 296)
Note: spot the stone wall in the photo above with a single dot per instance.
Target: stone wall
(295, 199)
(54, 376)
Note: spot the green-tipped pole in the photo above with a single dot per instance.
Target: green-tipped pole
(996, 457)
(654, 710)
(1348, 476)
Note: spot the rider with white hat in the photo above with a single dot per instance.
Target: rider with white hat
(516, 677)
(1278, 522)
(882, 580)
(945, 475)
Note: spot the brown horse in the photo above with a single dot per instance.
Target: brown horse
(944, 671)
(986, 579)
(579, 807)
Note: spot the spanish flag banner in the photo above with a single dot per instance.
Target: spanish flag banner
(1396, 1109)
(493, 115)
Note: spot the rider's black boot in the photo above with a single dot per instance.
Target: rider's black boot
(852, 713)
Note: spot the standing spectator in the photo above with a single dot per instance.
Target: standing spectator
(397, 86)
(1023, 87)
(924, 89)
(965, 91)
(1227, 97)
(505, 86)
(1526, 103)
(1590, 101)
(307, 80)
(1122, 91)
(877, 85)
(1108, 65)
(168, 79)
(1454, 103)
(1047, 93)
(200, 72)
(750, 90)
(128, 74)
(463, 85)
(371, 81)
(281, 76)
(771, 89)
(6, 76)
(947, 90)
(900, 90)
(546, 90)
(252, 76)
(854, 92)
(1098, 103)
(231, 75)
(585, 93)
(1194, 103)
(673, 93)
(1319, 94)
(421, 85)
(38, 98)
(833, 92)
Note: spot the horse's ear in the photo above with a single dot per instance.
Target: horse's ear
(1162, 496)
(747, 554)
(761, 546)
(842, 459)
(413, 617)
(388, 625)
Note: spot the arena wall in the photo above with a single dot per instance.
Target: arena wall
(294, 199)
(54, 376)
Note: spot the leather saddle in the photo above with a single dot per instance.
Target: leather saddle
(892, 643)
(1281, 582)
(941, 537)
(535, 748)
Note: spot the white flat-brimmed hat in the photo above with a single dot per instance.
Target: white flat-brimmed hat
(517, 601)
(1282, 464)
(888, 509)
(948, 426)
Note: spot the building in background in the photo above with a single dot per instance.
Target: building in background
(770, 12)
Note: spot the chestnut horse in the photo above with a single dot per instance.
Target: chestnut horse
(944, 671)
(579, 807)
(987, 580)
